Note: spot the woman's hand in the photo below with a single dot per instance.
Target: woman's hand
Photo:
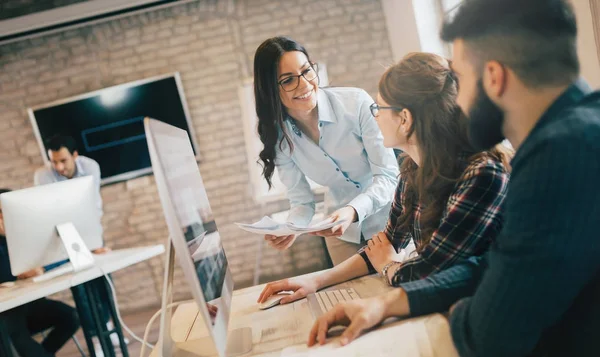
(380, 251)
(212, 310)
(280, 243)
(347, 214)
(301, 286)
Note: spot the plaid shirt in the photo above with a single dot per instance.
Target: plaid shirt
(471, 221)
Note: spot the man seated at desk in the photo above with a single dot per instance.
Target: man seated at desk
(44, 314)
(66, 164)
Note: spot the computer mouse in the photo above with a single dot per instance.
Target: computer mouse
(272, 300)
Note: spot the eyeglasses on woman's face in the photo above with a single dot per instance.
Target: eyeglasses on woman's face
(375, 109)
(290, 83)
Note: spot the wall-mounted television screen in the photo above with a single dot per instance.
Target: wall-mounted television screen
(108, 124)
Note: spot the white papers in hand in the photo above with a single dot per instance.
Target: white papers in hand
(269, 226)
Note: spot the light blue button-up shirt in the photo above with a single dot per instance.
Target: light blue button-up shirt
(350, 160)
(84, 166)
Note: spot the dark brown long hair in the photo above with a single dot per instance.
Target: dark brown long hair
(424, 84)
(269, 109)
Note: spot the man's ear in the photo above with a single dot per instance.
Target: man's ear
(75, 154)
(494, 79)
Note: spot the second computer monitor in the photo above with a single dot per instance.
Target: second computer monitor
(31, 216)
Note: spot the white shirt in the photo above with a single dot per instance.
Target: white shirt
(350, 160)
(84, 166)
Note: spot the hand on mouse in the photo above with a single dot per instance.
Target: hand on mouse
(301, 286)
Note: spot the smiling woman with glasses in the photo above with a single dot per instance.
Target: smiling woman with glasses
(327, 135)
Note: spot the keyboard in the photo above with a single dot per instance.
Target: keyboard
(323, 301)
(61, 270)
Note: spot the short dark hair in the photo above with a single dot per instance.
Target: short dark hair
(57, 142)
(537, 39)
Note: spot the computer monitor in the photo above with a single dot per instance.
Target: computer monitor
(34, 216)
(195, 237)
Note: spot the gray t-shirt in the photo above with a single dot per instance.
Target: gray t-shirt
(84, 166)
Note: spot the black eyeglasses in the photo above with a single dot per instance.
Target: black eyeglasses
(375, 109)
(292, 82)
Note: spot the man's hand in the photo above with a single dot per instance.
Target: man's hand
(380, 251)
(280, 243)
(359, 315)
(347, 214)
(101, 250)
(32, 273)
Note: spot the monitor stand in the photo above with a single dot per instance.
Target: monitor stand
(239, 341)
(79, 255)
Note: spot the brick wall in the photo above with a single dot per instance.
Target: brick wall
(212, 46)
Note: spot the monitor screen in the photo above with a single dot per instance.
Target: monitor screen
(108, 127)
(190, 220)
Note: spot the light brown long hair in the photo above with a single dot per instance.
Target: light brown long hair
(424, 84)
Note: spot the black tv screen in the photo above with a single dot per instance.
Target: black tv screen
(108, 124)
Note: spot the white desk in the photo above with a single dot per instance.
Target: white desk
(283, 330)
(26, 291)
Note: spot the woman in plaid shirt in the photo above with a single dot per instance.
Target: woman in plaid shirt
(449, 197)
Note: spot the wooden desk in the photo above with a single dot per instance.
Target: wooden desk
(283, 330)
